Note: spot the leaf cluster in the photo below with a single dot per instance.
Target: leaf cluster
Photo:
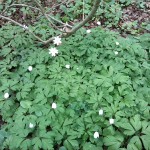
(97, 79)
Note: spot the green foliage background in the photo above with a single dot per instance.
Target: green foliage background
(98, 79)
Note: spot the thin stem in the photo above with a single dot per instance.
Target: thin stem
(24, 5)
(22, 26)
(82, 23)
(89, 17)
(83, 10)
(43, 12)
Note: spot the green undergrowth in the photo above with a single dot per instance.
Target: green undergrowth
(102, 75)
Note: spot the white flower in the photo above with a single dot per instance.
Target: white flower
(116, 53)
(25, 27)
(67, 66)
(30, 68)
(54, 106)
(31, 125)
(117, 43)
(57, 40)
(101, 112)
(98, 23)
(6, 95)
(88, 31)
(53, 51)
(96, 135)
(111, 121)
(77, 68)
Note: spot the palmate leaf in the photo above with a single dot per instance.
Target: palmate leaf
(146, 141)
(135, 144)
(89, 146)
(146, 138)
(68, 145)
(128, 129)
(131, 127)
(113, 142)
(136, 123)
(26, 144)
(37, 143)
(47, 144)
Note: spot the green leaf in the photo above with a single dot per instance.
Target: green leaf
(68, 145)
(67, 122)
(26, 144)
(90, 146)
(146, 141)
(135, 143)
(128, 129)
(47, 144)
(37, 143)
(113, 142)
(136, 123)
(74, 143)
(62, 148)
(26, 104)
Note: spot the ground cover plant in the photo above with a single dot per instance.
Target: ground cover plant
(94, 93)
(88, 91)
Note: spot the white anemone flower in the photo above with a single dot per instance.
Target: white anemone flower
(101, 112)
(67, 66)
(6, 95)
(30, 68)
(57, 40)
(88, 31)
(25, 27)
(111, 121)
(31, 125)
(54, 105)
(53, 51)
(98, 23)
(117, 43)
(116, 53)
(96, 135)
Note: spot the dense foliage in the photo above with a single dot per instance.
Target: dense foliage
(104, 72)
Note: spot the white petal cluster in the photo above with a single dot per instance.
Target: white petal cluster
(67, 66)
(111, 121)
(88, 31)
(98, 23)
(54, 105)
(101, 112)
(57, 40)
(53, 51)
(30, 68)
(25, 27)
(117, 43)
(31, 125)
(6, 95)
(116, 53)
(96, 135)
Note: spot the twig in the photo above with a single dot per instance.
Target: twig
(83, 10)
(82, 23)
(43, 12)
(24, 5)
(89, 17)
(22, 26)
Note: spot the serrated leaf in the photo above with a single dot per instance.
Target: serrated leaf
(136, 123)
(113, 142)
(128, 129)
